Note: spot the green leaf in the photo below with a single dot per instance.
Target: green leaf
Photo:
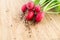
(36, 2)
(57, 8)
(58, 1)
(48, 5)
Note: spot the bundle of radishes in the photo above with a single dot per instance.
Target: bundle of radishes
(34, 12)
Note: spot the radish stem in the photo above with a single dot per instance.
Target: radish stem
(52, 7)
(47, 5)
(53, 12)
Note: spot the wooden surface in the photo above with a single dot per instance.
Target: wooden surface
(12, 28)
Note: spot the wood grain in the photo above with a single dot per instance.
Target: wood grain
(12, 28)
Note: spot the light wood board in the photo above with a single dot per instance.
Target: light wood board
(12, 28)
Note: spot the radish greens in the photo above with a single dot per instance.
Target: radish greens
(47, 5)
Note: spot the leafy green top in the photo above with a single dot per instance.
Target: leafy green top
(48, 5)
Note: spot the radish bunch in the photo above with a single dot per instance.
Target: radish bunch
(34, 11)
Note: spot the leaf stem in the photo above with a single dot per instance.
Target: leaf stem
(44, 3)
(52, 7)
(53, 12)
(47, 5)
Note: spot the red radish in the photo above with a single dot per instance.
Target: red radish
(30, 15)
(39, 16)
(30, 5)
(37, 8)
(24, 8)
